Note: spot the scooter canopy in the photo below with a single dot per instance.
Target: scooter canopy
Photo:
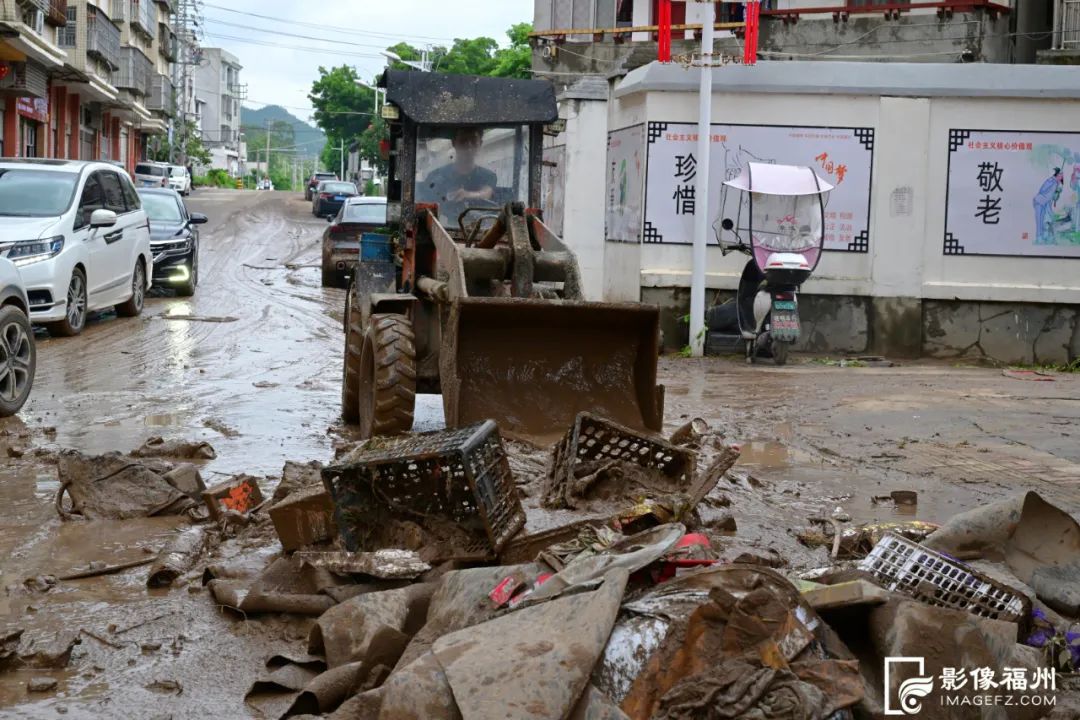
(790, 180)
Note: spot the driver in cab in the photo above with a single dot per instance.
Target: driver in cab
(456, 185)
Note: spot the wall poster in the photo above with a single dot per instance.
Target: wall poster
(625, 178)
(1013, 193)
(843, 156)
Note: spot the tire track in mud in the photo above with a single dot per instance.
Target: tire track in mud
(124, 379)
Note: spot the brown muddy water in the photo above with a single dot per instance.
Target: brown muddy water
(252, 364)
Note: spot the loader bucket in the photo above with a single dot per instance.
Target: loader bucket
(533, 365)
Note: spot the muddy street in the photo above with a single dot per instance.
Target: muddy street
(252, 365)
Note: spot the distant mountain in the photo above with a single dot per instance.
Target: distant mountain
(309, 137)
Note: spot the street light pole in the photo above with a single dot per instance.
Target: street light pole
(704, 165)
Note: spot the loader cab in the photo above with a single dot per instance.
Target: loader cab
(460, 145)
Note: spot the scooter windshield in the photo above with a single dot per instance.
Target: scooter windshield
(786, 224)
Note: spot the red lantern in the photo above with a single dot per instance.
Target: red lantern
(5, 68)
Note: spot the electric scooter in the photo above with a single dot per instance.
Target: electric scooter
(779, 221)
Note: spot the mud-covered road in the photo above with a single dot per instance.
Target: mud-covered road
(252, 364)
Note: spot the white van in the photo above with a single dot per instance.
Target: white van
(79, 236)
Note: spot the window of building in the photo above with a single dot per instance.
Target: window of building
(624, 13)
(30, 137)
(66, 35)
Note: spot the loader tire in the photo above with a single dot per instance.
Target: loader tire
(387, 379)
(350, 381)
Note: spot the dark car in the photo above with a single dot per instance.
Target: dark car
(174, 239)
(314, 180)
(341, 241)
(330, 196)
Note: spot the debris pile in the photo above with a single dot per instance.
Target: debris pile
(432, 591)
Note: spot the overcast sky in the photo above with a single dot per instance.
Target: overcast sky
(280, 69)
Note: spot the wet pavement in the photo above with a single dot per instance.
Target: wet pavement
(263, 387)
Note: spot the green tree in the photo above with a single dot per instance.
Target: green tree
(370, 142)
(516, 60)
(343, 108)
(282, 136)
(187, 145)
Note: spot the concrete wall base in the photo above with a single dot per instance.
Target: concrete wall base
(1026, 333)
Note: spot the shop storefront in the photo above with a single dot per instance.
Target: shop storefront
(33, 119)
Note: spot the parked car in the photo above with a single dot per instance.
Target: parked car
(79, 236)
(174, 239)
(330, 195)
(179, 180)
(341, 240)
(18, 351)
(314, 180)
(151, 174)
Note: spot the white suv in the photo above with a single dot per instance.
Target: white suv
(79, 236)
(179, 180)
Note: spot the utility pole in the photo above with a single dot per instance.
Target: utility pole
(267, 147)
(342, 175)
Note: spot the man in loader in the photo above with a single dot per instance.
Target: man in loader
(459, 184)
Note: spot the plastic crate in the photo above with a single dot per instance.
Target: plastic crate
(461, 477)
(903, 566)
(595, 439)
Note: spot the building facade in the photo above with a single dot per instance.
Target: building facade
(216, 96)
(85, 79)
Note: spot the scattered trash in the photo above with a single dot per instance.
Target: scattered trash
(113, 487)
(1034, 375)
(241, 495)
(902, 566)
(382, 564)
(186, 479)
(449, 494)
(41, 684)
(99, 569)
(854, 543)
(156, 447)
(598, 459)
(690, 433)
(303, 518)
(178, 557)
(844, 594)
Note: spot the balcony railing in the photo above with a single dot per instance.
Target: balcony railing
(162, 97)
(143, 17)
(168, 44)
(167, 6)
(21, 11)
(135, 71)
(57, 14)
(102, 38)
(1070, 24)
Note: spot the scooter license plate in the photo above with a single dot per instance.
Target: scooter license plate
(785, 324)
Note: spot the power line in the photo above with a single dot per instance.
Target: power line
(294, 35)
(267, 43)
(338, 29)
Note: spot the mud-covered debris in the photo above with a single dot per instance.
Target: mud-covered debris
(52, 653)
(690, 433)
(844, 594)
(201, 318)
(114, 487)
(305, 517)
(159, 447)
(178, 557)
(856, 542)
(15, 451)
(40, 583)
(240, 494)
(41, 684)
(389, 564)
(168, 686)
(901, 566)
(9, 647)
(449, 494)
(298, 476)
(598, 460)
(187, 479)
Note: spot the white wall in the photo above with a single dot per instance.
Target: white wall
(906, 257)
(585, 185)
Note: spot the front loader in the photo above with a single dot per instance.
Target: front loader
(483, 303)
